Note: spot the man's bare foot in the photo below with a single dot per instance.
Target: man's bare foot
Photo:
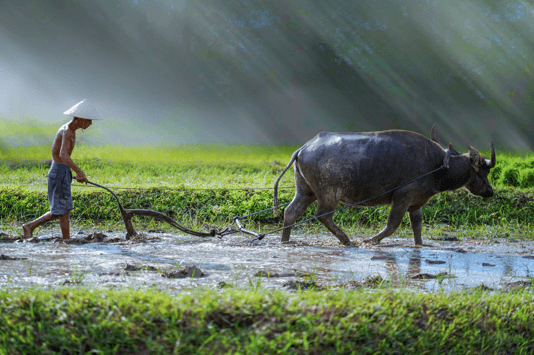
(27, 231)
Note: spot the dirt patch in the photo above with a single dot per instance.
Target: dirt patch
(382, 257)
(270, 243)
(272, 274)
(302, 285)
(95, 237)
(224, 284)
(435, 262)
(445, 238)
(141, 238)
(111, 274)
(425, 276)
(129, 267)
(188, 271)
(519, 285)
(368, 282)
(482, 288)
(458, 250)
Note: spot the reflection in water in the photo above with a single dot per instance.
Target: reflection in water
(414, 264)
(234, 260)
(465, 268)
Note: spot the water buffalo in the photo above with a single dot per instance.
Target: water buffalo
(352, 167)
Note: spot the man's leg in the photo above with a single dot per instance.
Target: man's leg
(64, 225)
(29, 227)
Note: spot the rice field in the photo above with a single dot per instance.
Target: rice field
(213, 183)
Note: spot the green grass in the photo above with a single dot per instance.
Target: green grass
(74, 321)
(210, 184)
(514, 171)
(458, 208)
(199, 166)
(209, 166)
(171, 155)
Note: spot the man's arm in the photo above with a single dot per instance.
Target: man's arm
(67, 145)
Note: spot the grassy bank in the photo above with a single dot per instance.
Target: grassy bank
(73, 321)
(509, 207)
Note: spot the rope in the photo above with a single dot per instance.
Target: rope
(195, 189)
(255, 213)
(176, 189)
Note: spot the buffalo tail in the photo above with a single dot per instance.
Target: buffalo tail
(275, 198)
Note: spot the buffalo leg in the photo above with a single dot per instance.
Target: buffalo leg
(304, 197)
(398, 210)
(327, 220)
(416, 220)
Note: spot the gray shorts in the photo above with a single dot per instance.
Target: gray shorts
(59, 196)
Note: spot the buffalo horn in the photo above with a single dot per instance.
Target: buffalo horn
(491, 163)
(447, 157)
(433, 133)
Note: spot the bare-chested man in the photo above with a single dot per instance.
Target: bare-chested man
(60, 175)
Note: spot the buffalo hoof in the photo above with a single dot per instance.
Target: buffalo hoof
(350, 244)
(372, 241)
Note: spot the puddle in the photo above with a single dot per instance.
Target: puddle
(168, 261)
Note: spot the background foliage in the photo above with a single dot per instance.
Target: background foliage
(276, 71)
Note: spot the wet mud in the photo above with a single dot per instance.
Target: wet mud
(7, 257)
(177, 262)
(187, 271)
(6, 238)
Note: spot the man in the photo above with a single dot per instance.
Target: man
(60, 175)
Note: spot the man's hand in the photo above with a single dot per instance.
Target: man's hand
(80, 177)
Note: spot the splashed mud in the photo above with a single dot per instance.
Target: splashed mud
(108, 260)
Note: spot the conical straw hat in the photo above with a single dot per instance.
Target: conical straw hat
(83, 109)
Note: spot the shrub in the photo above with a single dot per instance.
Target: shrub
(494, 175)
(527, 178)
(510, 176)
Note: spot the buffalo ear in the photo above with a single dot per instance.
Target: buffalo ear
(474, 158)
(453, 151)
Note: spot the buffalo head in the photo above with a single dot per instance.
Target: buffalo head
(478, 183)
(480, 167)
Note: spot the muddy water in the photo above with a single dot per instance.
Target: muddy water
(234, 261)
